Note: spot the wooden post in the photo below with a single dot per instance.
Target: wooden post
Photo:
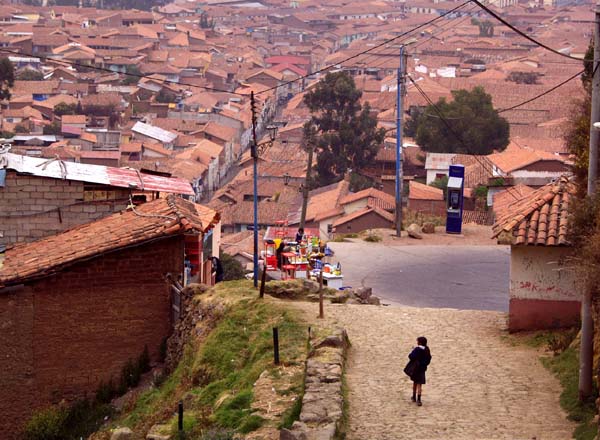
(180, 416)
(321, 312)
(263, 279)
(276, 345)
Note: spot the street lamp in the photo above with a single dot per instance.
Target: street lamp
(256, 149)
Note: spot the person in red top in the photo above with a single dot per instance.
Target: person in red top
(422, 355)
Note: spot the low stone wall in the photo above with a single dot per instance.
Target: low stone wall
(322, 404)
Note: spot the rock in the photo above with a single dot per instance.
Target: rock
(159, 432)
(428, 228)
(374, 301)
(311, 285)
(414, 231)
(122, 434)
(286, 434)
(363, 293)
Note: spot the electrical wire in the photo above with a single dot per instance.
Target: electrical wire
(543, 93)
(447, 124)
(523, 34)
(384, 43)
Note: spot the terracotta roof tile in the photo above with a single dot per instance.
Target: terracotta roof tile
(375, 198)
(159, 218)
(356, 214)
(419, 191)
(539, 218)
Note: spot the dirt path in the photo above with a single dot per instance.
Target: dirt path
(479, 386)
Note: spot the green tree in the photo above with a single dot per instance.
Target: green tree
(7, 78)
(470, 125)
(232, 268)
(62, 108)
(133, 75)
(441, 183)
(348, 137)
(165, 96)
(577, 132)
(53, 128)
(486, 27)
(30, 75)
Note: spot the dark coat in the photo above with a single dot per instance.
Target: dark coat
(423, 356)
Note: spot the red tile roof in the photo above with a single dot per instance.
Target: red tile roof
(356, 214)
(418, 191)
(539, 218)
(374, 198)
(153, 220)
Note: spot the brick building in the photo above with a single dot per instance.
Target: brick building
(75, 307)
(41, 197)
(426, 199)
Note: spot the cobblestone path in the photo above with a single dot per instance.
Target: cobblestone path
(478, 385)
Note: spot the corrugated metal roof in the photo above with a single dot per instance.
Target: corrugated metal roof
(120, 177)
(154, 132)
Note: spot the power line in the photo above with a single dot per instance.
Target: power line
(384, 43)
(104, 69)
(446, 123)
(523, 34)
(543, 93)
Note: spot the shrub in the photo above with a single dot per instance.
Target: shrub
(47, 424)
(106, 391)
(144, 361)
(232, 268)
(372, 238)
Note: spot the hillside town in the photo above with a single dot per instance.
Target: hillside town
(144, 144)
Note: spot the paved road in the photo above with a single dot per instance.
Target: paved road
(460, 277)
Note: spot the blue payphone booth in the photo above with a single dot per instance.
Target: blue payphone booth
(454, 201)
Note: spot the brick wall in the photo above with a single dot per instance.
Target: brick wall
(28, 206)
(65, 333)
(429, 207)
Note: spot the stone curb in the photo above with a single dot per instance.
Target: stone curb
(322, 404)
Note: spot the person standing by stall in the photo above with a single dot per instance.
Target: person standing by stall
(299, 235)
(419, 359)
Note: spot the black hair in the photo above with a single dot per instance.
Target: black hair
(300, 229)
(422, 340)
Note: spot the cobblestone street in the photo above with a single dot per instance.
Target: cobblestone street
(478, 385)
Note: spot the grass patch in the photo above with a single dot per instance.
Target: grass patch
(342, 429)
(339, 238)
(564, 364)
(566, 367)
(216, 377)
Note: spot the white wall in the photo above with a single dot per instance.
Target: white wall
(349, 208)
(432, 173)
(540, 272)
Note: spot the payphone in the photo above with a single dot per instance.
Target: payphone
(454, 200)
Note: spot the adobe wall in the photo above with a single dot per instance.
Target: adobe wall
(367, 221)
(429, 207)
(72, 330)
(543, 291)
(28, 206)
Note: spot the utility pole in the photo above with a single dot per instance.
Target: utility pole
(310, 144)
(305, 189)
(401, 81)
(586, 353)
(254, 154)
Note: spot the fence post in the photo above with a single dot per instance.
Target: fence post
(263, 279)
(276, 345)
(180, 416)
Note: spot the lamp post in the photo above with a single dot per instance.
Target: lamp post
(256, 149)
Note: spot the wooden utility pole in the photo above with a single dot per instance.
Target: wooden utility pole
(401, 81)
(586, 353)
(305, 188)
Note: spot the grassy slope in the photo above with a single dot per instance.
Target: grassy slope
(565, 366)
(215, 379)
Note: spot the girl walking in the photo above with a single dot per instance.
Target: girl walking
(420, 358)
